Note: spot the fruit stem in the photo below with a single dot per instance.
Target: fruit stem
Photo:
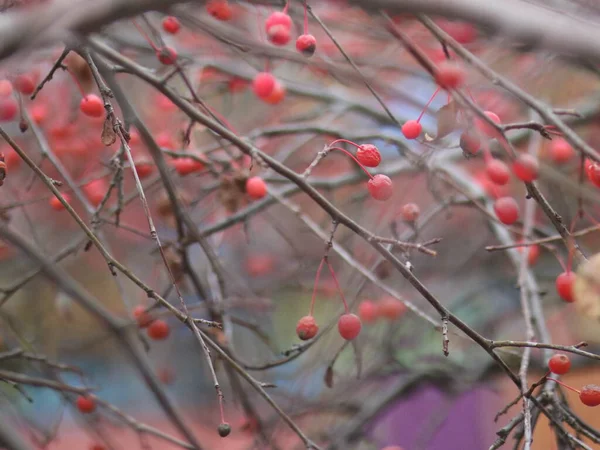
(285, 8)
(428, 103)
(305, 17)
(337, 285)
(354, 158)
(314, 294)
(221, 408)
(145, 35)
(345, 141)
(564, 385)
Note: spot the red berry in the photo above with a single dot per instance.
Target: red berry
(469, 142)
(236, 84)
(307, 328)
(97, 447)
(24, 84)
(526, 167)
(533, 253)
(380, 187)
(411, 129)
(497, 171)
(8, 109)
(278, 26)
(39, 113)
(590, 395)
(158, 330)
(449, 75)
(507, 210)
(561, 151)
(368, 155)
(462, 32)
(165, 140)
(410, 212)
(564, 285)
(185, 166)
(349, 326)
(134, 137)
(263, 84)
(144, 169)
(256, 187)
(391, 308)
(368, 311)
(259, 265)
(486, 128)
(277, 95)
(55, 203)
(86, 404)
(167, 55)
(171, 25)
(6, 88)
(278, 18)
(306, 44)
(142, 317)
(559, 364)
(92, 106)
(279, 35)
(95, 191)
(592, 170)
(219, 9)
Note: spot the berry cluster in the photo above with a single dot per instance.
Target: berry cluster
(387, 307)
(156, 329)
(560, 364)
(367, 155)
(349, 325)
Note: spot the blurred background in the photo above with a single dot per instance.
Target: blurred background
(392, 386)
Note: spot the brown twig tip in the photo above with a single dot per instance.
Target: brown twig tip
(445, 338)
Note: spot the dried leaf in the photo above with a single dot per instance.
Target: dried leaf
(108, 134)
(446, 120)
(329, 377)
